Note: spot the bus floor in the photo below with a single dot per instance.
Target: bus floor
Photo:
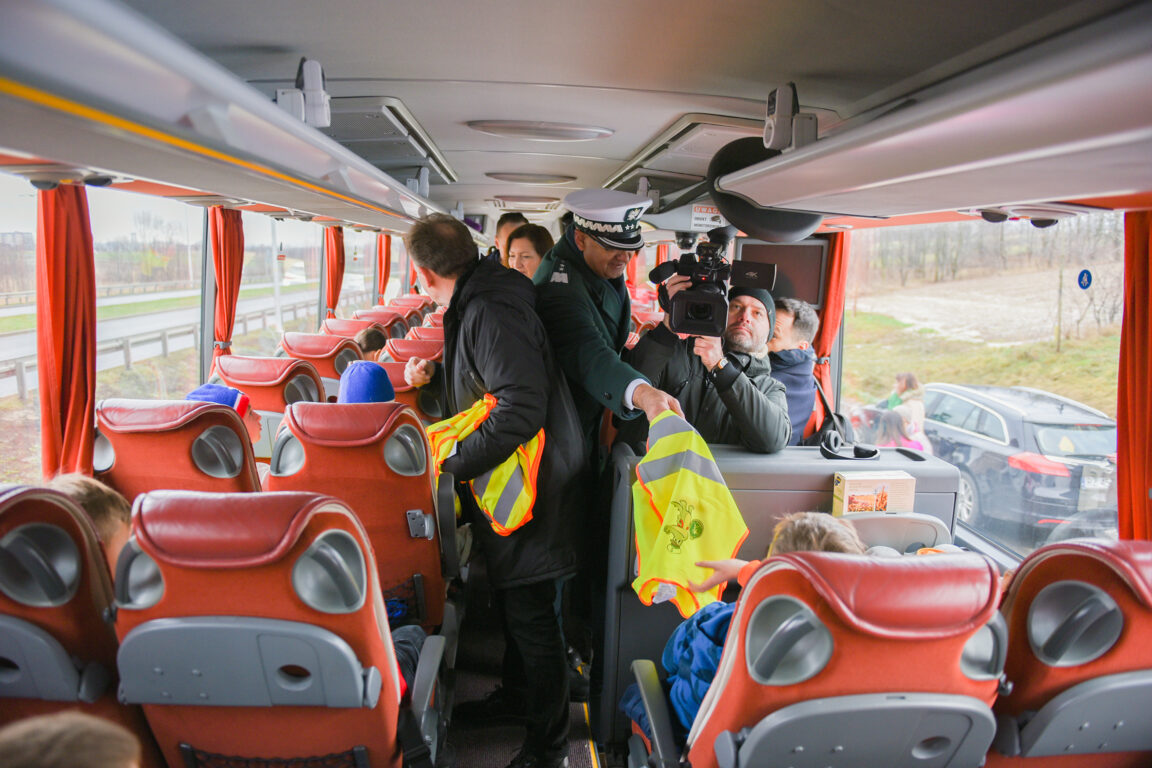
(478, 673)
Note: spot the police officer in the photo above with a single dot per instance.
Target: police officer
(584, 303)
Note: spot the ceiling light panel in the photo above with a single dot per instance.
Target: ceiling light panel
(530, 178)
(532, 130)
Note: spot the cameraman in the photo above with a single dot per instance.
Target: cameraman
(723, 384)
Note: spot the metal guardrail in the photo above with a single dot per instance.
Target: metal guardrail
(20, 298)
(24, 367)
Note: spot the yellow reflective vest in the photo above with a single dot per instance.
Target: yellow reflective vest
(506, 493)
(684, 512)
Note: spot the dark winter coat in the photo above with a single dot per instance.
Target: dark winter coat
(742, 404)
(495, 344)
(793, 369)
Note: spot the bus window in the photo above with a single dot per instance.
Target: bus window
(1015, 354)
(19, 405)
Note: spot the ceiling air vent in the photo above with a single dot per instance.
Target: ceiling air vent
(382, 131)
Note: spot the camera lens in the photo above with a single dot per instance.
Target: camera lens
(698, 311)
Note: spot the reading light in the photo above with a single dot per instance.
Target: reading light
(531, 178)
(994, 217)
(534, 130)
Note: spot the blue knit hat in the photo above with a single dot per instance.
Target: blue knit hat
(218, 393)
(364, 381)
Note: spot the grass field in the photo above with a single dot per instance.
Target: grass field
(877, 347)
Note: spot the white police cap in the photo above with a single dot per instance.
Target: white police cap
(608, 215)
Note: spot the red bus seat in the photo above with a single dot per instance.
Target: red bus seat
(146, 445)
(271, 383)
(633, 339)
(426, 332)
(328, 353)
(375, 457)
(57, 647)
(338, 326)
(873, 661)
(419, 301)
(252, 629)
(413, 315)
(403, 350)
(434, 319)
(395, 325)
(1079, 618)
(423, 400)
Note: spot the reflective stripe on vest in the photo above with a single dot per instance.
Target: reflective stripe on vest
(506, 493)
(684, 512)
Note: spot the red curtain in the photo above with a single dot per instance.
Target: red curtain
(65, 330)
(630, 270)
(383, 265)
(1133, 412)
(227, 232)
(834, 283)
(334, 266)
(661, 253)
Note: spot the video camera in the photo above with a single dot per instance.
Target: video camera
(701, 309)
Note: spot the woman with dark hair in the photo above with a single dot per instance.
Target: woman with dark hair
(893, 431)
(527, 245)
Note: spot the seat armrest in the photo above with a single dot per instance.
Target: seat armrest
(656, 707)
(446, 522)
(420, 729)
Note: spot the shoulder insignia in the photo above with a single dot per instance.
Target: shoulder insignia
(559, 277)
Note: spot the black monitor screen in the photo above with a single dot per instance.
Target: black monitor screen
(799, 266)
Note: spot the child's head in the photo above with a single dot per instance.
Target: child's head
(233, 398)
(815, 532)
(68, 740)
(370, 339)
(109, 511)
(364, 381)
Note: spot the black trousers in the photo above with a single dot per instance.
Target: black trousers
(535, 662)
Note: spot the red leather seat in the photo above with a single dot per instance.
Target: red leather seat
(146, 445)
(871, 661)
(423, 400)
(337, 326)
(57, 646)
(395, 325)
(328, 353)
(271, 383)
(420, 301)
(424, 332)
(1079, 618)
(434, 319)
(251, 628)
(375, 457)
(402, 350)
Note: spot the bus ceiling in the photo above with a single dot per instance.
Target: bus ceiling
(955, 107)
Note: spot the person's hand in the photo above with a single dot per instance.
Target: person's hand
(418, 372)
(674, 285)
(708, 349)
(655, 401)
(722, 571)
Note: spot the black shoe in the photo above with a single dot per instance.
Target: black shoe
(500, 706)
(526, 759)
(579, 677)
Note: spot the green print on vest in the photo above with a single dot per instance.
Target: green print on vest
(684, 528)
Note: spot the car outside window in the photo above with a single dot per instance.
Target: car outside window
(991, 426)
(1081, 440)
(954, 412)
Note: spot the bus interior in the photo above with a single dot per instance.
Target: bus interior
(960, 189)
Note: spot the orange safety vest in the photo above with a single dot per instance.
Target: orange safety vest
(506, 493)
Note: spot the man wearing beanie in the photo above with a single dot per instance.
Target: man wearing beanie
(724, 384)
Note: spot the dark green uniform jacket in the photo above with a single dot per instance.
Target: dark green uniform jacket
(742, 404)
(588, 320)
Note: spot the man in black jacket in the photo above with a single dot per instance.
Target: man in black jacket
(495, 344)
(723, 384)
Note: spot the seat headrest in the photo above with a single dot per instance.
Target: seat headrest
(396, 375)
(344, 327)
(239, 371)
(348, 424)
(1131, 560)
(379, 315)
(225, 530)
(124, 415)
(909, 597)
(403, 349)
(316, 345)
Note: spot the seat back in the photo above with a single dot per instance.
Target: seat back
(1079, 617)
(375, 457)
(146, 445)
(434, 319)
(395, 326)
(251, 627)
(348, 328)
(423, 400)
(418, 301)
(402, 350)
(330, 354)
(271, 383)
(435, 333)
(905, 652)
(57, 645)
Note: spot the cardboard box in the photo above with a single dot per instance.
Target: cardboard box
(888, 491)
